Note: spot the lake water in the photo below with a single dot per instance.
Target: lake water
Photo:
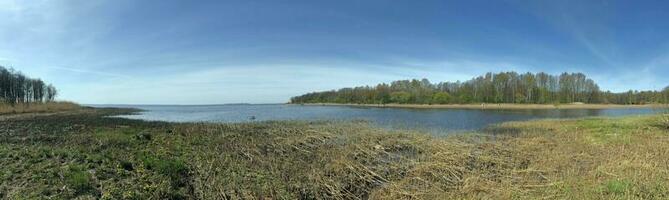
(434, 120)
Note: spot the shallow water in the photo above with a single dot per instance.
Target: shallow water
(433, 120)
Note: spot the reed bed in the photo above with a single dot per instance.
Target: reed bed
(37, 107)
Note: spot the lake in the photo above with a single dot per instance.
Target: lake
(433, 120)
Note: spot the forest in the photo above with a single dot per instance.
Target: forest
(16, 88)
(503, 87)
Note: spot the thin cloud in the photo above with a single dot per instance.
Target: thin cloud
(592, 47)
(99, 73)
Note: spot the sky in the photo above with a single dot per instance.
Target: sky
(248, 51)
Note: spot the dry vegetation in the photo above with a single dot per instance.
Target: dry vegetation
(37, 107)
(597, 158)
(88, 156)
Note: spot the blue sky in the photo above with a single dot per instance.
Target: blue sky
(219, 51)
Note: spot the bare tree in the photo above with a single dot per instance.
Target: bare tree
(51, 93)
(18, 88)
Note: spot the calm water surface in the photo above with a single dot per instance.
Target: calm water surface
(434, 120)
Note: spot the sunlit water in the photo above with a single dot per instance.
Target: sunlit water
(433, 120)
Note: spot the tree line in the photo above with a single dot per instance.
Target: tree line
(16, 88)
(503, 87)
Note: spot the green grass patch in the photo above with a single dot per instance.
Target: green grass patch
(611, 130)
(174, 168)
(617, 187)
(79, 179)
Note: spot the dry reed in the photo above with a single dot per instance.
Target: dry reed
(37, 107)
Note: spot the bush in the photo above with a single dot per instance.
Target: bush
(441, 98)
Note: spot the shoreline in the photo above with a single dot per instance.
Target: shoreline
(493, 106)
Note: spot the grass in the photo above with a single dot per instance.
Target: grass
(38, 107)
(617, 187)
(88, 156)
(78, 179)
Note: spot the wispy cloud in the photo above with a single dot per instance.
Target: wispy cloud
(592, 47)
(93, 72)
(586, 22)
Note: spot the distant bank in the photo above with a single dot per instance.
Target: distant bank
(495, 106)
(504, 87)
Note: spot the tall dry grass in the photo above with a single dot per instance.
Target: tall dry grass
(37, 107)
(599, 158)
(566, 159)
(297, 160)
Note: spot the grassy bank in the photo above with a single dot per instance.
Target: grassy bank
(495, 106)
(82, 154)
(37, 107)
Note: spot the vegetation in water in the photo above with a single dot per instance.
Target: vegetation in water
(504, 87)
(83, 154)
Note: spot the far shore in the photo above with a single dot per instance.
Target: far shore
(496, 106)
